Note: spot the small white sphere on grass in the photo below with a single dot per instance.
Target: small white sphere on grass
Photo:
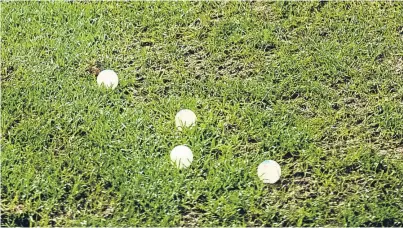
(185, 118)
(182, 156)
(108, 78)
(269, 171)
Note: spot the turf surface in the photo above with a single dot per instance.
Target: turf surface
(316, 86)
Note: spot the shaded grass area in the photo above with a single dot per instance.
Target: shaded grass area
(318, 87)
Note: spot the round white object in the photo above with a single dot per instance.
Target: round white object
(108, 78)
(182, 156)
(185, 118)
(269, 171)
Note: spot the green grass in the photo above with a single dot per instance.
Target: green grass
(318, 87)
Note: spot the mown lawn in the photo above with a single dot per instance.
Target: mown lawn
(316, 86)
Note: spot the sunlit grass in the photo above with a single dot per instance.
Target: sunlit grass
(317, 87)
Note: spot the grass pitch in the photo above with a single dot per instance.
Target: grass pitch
(316, 86)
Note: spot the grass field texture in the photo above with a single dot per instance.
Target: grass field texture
(315, 86)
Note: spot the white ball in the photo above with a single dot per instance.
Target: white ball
(182, 156)
(269, 171)
(108, 78)
(185, 118)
